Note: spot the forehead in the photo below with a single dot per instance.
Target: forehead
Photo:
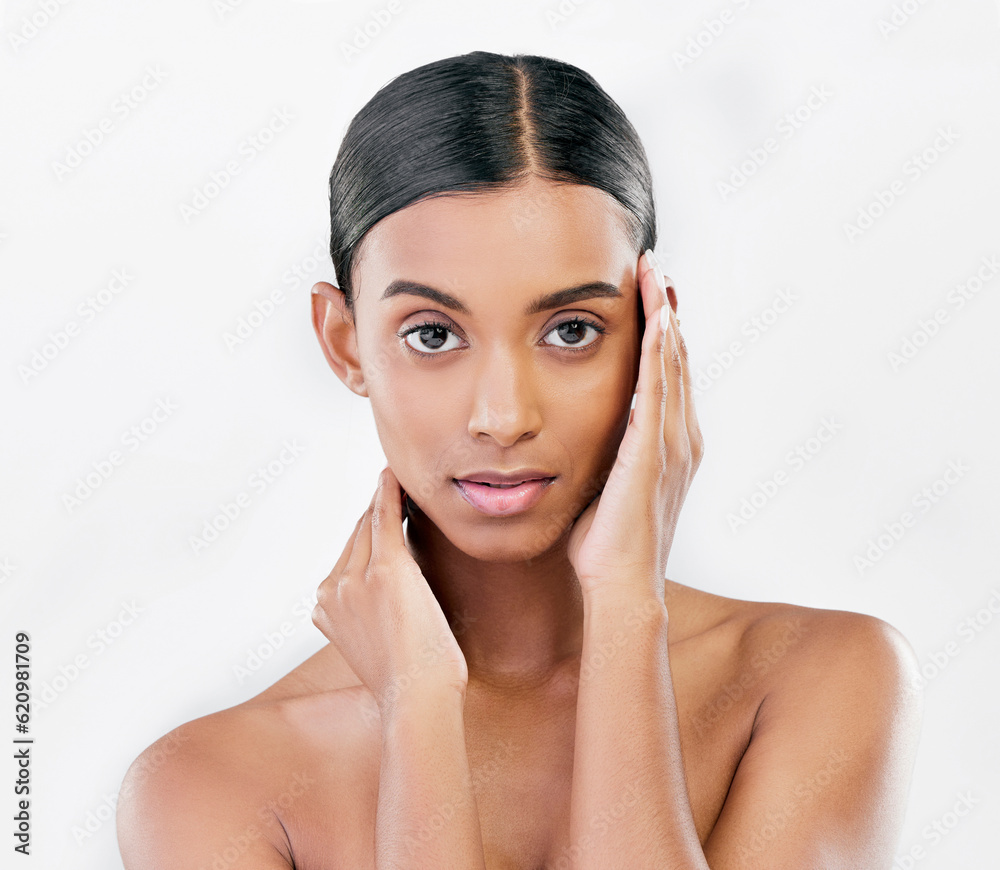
(523, 240)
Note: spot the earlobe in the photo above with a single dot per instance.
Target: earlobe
(335, 329)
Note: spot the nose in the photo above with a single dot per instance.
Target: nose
(504, 401)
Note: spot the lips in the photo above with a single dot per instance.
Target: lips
(507, 477)
(497, 485)
(496, 494)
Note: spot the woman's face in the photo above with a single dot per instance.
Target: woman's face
(511, 376)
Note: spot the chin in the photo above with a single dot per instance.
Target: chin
(502, 549)
(518, 538)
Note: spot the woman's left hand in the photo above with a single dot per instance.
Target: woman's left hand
(623, 538)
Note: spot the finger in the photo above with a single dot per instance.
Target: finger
(650, 397)
(348, 548)
(387, 518)
(649, 288)
(650, 298)
(674, 426)
(361, 554)
(331, 583)
(645, 279)
(690, 413)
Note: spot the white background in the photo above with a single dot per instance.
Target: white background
(72, 570)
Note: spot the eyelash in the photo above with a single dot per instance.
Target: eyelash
(597, 327)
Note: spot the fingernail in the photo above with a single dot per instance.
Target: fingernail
(664, 316)
(661, 281)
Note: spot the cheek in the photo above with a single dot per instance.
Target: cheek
(405, 410)
(417, 427)
(593, 415)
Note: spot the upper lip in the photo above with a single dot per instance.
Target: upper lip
(505, 476)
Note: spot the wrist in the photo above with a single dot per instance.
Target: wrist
(610, 612)
(420, 699)
(641, 599)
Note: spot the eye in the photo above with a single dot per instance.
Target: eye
(431, 334)
(575, 326)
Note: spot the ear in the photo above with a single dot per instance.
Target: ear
(334, 326)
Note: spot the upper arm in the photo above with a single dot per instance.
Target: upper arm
(824, 780)
(180, 809)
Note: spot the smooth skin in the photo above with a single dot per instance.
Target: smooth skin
(529, 691)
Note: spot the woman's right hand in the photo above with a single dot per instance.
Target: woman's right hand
(379, 611)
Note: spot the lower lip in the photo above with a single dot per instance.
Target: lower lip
(496, 502)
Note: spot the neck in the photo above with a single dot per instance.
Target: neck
(517, 623)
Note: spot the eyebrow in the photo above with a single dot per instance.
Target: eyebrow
(556, 299)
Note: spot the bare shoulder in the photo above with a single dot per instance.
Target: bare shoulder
(227, 786)
(186, 800)
(834, 721)
(790, 643)
(848, 691)
(803, 670)
(833, 651)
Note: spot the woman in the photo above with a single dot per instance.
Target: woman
(511, 682)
